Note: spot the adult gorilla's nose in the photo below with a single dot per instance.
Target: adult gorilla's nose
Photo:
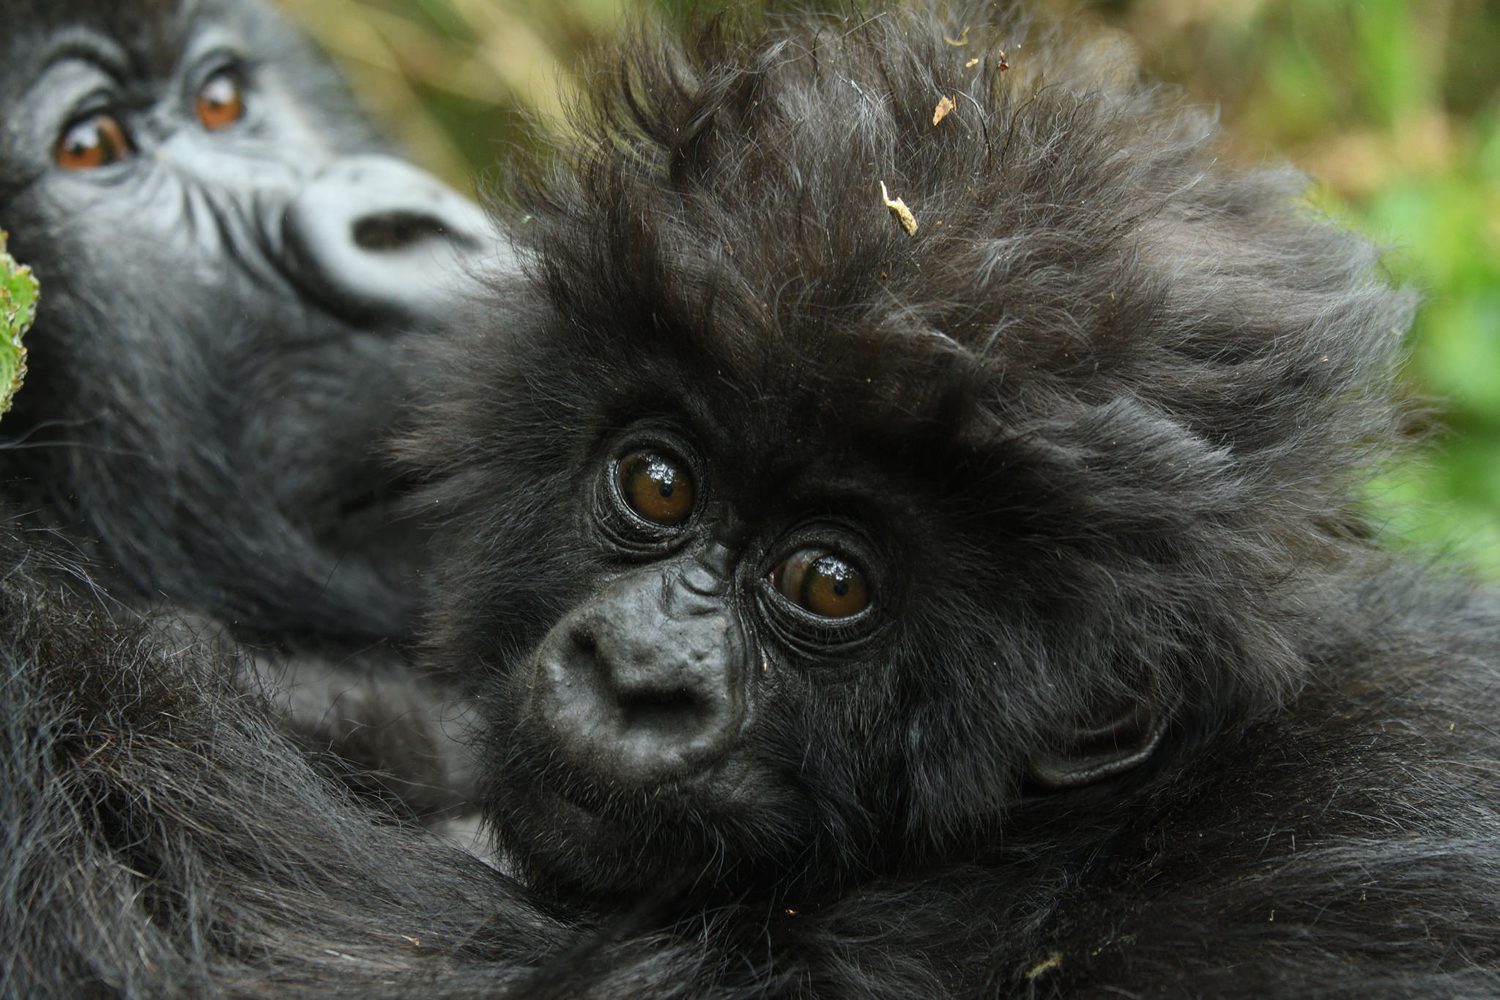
(371, 235)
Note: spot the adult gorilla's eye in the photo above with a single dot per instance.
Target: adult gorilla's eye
(221, 100)
(822, 582)
(92, 142)
(658, 488)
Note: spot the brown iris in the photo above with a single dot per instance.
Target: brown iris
(90, 143)
(221, 101)
(822, 582)
(657, 487)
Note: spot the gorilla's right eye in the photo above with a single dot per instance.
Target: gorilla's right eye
(822, 582)
(92, 142)
(657, 487)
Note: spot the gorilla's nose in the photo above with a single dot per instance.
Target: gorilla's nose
(639, 690)
(372, 236)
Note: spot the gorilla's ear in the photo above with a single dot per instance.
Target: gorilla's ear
(1102, 748)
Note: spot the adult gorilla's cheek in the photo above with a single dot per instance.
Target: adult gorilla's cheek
(344, 265)
(381, 255)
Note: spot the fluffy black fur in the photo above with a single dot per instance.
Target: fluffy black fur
(1100, 430)
(1094, 433)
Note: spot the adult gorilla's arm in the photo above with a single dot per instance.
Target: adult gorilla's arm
(163, 837)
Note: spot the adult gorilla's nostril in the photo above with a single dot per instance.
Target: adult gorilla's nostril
(398, 230)
(370, 235)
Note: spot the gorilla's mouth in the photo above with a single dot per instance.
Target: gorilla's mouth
(597, 804)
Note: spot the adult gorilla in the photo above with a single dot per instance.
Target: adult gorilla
(230, 265)
(230, 268)
(232, 271)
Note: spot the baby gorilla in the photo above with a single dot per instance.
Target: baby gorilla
(969, 594)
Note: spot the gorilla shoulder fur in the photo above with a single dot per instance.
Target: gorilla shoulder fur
(980, 609)
(164, 836)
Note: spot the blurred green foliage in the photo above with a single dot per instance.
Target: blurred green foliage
(18, 296)
(1392, 105)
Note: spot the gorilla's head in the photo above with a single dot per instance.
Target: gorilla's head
(233, 273)
(797, 544)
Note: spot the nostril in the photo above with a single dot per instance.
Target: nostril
(398, 230)
(583, 644)
(382, 243)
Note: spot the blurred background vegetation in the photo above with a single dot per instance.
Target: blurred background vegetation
(1392, 105)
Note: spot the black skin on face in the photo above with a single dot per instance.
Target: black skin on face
(235, 271)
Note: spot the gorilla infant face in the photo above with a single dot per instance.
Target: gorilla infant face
(231, 269)
(796, 547)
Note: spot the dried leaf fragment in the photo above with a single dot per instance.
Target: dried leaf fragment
(941, 111)
(1001, 62)
(899, 210)
(1047, 964)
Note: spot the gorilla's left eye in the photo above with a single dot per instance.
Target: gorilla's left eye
(822, 582)
(221, 100)
(658, 487)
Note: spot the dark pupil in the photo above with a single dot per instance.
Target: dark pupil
(663, 479)
(836, 570)
(85, 138)
(219, 93)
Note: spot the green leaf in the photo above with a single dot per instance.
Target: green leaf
(18, 295)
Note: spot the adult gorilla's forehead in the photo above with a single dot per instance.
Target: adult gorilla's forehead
(149, 35)
(149, 40)
(147, 30)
